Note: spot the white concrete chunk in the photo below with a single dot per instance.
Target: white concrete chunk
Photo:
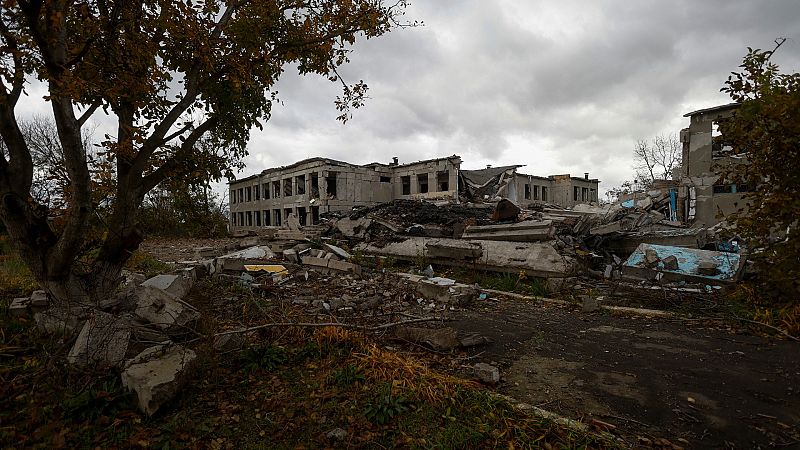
(103, 340)
(157, 374)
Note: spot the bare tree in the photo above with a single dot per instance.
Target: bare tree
(657, 159)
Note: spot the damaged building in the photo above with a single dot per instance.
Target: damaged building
(705, 198)
(316, 186)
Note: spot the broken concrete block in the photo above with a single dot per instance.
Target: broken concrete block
(439, 339)
(39, 299)
(176, 285)
(589, 304)
(19, 307)
(651, 257)
(454, 249)
(164, 310)
(291, 255)
(248, 242)
(315, 261)
(338, 251)
(61, 321)
(157, 374)
(229, 342)
(344, 266)
(608, 228)
(103, 340)
(670, 262)
(505, 210)
(608, 271)
(487, 373)
(707, 268)
(205, 252)
(473, 340)
(527, 231)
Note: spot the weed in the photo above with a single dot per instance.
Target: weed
(99, 399)
(421, 261)
(383, 408)
(141, 261)
(348, 375)
(264, 357)
(15, 278)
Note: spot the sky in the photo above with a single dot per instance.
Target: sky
(560, 86)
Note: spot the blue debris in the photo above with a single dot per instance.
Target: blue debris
(689, 259)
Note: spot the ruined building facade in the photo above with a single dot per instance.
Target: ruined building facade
(703, 196)
(314, 186)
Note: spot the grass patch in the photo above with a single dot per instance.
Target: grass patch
(143, 262)
(15, 278)
(288, 389)
(518, 283)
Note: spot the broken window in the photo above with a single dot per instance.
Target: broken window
(300, 184)
(233, 196)
(276, 214)
(257, 191)
(575, 193)
(443, 180)
(267, 221)
(249, 216)
(314, 215)
(248, 193)
(265, 189)
(301, 215)
(585, 194)
(331, 180)
(241, 195)
(536, 192)
(386, 179)
(233, 219)
(276, 189)
(287, 187)
(527, 191)
(422, 182)
(315, 185)
(241, 219)
(406, 182)
(592, 195)
(544, 193)
(258, 217)
(286, 213)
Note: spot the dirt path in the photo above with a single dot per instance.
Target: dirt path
(649, 377)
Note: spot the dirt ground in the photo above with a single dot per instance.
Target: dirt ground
(648, 377)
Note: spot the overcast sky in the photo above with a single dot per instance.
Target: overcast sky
(560, 86)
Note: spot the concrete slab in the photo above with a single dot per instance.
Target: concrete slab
(693, 264)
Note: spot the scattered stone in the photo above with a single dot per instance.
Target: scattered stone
(473, 340)
(505, 210)
(157, 374)
(608, 271)
(229, 342)
(39, 299)
(291, 255)
(103, 340)
(250, 241)
(670, 262)
(19, 307)
(439, 339)
(651, 257)
(176, 285)
(336, 434)
(164, 310)
(487, 373)
(590, 304)
(707, 268)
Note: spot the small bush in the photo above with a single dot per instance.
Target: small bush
(348, 375)
(267, 357)
(385, 407)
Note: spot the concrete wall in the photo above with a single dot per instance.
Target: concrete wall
(699, 204)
